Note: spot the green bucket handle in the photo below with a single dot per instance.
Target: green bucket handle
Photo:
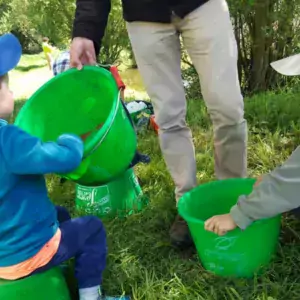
(107, 131)
(120, 87)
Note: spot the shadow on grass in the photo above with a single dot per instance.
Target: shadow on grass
(29, 68)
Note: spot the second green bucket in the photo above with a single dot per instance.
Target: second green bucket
(85, 103)
(238, 253)
(119, 198)
(48, 285)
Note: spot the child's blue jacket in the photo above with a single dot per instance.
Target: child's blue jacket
(27, 217)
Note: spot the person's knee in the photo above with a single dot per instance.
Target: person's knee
(95, 228)
(169, 120)
(227, 113)
(94, 222)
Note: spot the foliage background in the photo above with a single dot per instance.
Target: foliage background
(266, 30)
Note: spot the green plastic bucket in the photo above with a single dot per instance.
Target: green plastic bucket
(85, 103)
(48, 285)
(119, 198)
(238, 253)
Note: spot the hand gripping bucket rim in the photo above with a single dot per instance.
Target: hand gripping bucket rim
(99, 135)
(239, 253)
(212, 184)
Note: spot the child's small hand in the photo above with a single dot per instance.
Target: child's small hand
(80, 171)
(220, 224)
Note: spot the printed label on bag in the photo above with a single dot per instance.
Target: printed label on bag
(84, 195)
(94, 200)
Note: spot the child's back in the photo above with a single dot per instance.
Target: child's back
(28, 218)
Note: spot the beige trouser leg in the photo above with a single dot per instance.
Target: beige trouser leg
(209, 39)
(213, 51)
(157, 52)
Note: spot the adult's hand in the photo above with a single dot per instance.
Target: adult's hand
(82, 53)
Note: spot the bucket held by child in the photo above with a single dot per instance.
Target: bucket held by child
(86, 103)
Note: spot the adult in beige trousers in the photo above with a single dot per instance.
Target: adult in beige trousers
(207, 34)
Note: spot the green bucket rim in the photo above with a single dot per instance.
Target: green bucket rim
(212, 184)
(129, 172)
(77, 185)
(91, 144)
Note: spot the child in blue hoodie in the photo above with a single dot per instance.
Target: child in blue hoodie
(34, 234)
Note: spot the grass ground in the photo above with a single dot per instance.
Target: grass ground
(141, 261)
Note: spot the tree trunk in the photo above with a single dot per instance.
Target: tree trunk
(259, 48)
